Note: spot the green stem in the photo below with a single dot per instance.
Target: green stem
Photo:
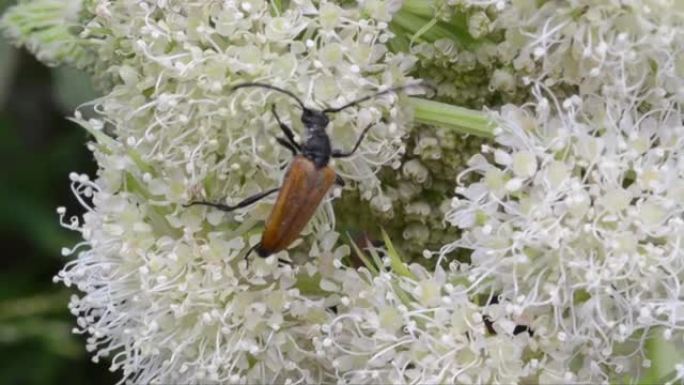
(277, 7)
(33, 306)
(419, 7)
(400, 42)
(397, 264)
(461, 119)
(429, 29)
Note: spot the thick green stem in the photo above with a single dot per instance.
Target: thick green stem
(460, 119)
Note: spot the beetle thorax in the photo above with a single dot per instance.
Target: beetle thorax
(317, 147)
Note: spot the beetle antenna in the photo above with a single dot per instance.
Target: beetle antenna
(270, 87)
(363, 99)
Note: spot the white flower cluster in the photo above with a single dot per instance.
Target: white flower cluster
(588, 46)
(167, 293)
(619, 49)
(561, 253)
(173, 106)
(577, 222)
(421, 327)
(577, 216)
(463, 56)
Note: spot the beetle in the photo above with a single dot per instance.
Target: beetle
(308, 178)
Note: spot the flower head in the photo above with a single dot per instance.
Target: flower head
(166, 290)
(421, 327)
(557, 260)
(576, 212)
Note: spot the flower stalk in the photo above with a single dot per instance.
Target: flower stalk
(459, 119)
(419, 28)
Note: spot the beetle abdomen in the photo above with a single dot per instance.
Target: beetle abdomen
(302, 191)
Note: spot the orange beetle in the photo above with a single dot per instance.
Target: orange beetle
(308, 178)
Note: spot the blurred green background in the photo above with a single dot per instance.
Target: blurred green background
(38, 149)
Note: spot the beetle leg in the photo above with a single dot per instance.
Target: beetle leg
(255, 247)
(286, 129)
(343, 154)
(287, 145)
(246, 202)
(339, 181)
(283, 262)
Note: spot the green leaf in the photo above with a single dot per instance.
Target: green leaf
(398, 265)
(664, 355)
(363, 257)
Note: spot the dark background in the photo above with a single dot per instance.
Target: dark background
(38, 149)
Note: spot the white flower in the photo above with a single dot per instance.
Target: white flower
(588, 245)
(166, 290)
(597, 46)
(420, 328)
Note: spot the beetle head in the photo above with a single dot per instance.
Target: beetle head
(314, 120)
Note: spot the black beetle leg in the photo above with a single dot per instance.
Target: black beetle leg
(284, 262)
(286, 130)
(342, 154)
(287, 145)
(246, 202)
